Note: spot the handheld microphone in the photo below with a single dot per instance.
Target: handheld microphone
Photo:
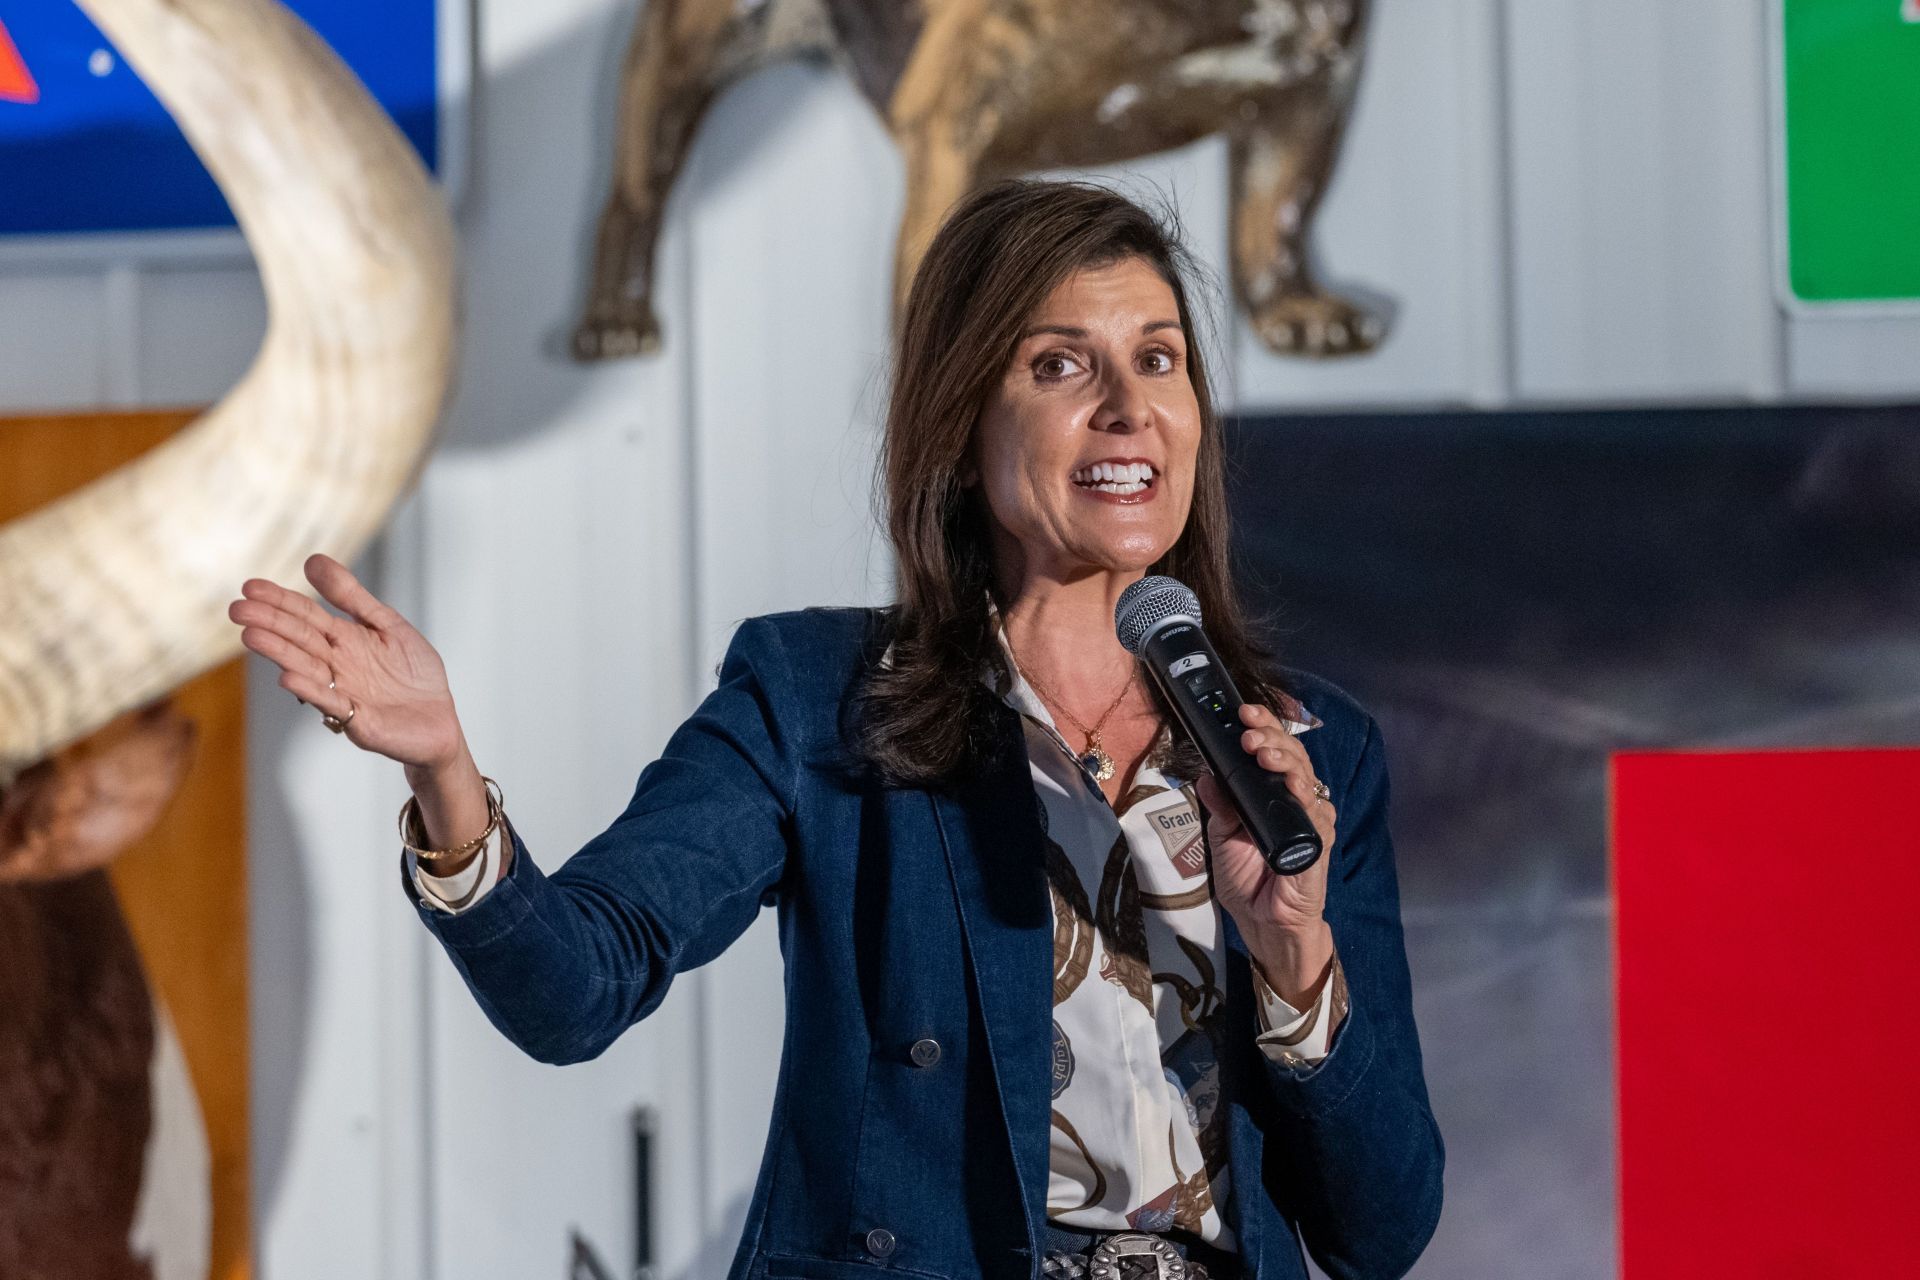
(1158, 620)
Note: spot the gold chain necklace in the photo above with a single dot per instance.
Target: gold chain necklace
(1094, 759)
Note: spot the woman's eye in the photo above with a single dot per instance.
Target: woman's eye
(1168, 360)
(1054, 365)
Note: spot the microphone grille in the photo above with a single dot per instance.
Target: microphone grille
(1148, 602)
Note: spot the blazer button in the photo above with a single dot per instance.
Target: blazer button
(879, 1242)
(925, 1052)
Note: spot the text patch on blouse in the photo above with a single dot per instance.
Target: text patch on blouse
(1178, 827)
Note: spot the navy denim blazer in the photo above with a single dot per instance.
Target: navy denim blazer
(908, 914)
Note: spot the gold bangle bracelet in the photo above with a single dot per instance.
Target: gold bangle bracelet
(410, 825)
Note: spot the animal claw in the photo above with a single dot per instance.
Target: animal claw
(1318, 326)
(616, 339)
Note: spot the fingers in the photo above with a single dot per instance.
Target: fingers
(300, 636)
(1265, 732)
(1262, 717)
(290, 657)
(1279, 751)
(293, 603)
(258, 619)
(1224, 816)
(298, 618)
(341, 589)
(315, 693)
(1276, 750)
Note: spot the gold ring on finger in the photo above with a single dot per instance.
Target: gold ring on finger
(1321, 791)
(336, 723)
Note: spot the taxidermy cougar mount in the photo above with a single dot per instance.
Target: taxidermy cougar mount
(975, 90)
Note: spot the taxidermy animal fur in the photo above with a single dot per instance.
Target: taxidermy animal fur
(974, 90)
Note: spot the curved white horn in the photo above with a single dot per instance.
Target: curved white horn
(117, 593)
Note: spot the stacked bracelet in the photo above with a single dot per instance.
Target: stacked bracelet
(412, 828)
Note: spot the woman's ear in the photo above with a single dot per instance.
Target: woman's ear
(969, 474)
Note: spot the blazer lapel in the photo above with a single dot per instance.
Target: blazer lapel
(993, 842)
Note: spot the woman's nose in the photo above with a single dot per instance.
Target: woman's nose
(1125, 408)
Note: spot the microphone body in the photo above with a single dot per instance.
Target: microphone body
(1164, 632)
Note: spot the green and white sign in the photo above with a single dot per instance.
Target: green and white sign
(1851, 110)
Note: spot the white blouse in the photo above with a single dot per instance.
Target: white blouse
(1139, 1138)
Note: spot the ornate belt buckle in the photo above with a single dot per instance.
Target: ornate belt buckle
(1105, 1259)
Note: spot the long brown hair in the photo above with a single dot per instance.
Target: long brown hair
(926, 718)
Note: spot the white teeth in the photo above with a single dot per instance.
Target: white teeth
(1133, 475)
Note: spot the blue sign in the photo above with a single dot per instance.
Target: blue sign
(85, 147)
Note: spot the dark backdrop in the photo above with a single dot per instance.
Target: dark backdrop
(1514, 596)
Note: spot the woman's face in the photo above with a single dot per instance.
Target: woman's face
(1086, 448)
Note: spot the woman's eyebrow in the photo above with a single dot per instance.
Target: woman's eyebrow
(1073, 331)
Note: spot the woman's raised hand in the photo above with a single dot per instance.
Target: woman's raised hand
(380, 667)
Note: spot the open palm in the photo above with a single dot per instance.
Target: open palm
(372, 662)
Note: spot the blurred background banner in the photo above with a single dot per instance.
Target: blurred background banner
(87, 148)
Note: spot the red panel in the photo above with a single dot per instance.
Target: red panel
(1767, 951)
(16, 82)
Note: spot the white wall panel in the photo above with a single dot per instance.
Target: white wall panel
(1640, 209)
(556, 552)
(1412, 214)
(795, 193)
(196, 331)
(334, 1102)
(557, 600)
(1871, 358)
(53, 335)
(792, 195)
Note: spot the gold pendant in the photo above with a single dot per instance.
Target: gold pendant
(1096, 762)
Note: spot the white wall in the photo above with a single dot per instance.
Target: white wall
(1569, 202)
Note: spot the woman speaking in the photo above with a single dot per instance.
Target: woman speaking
(1049, 1012)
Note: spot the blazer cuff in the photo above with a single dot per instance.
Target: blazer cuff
(499, 910)
(464, 888)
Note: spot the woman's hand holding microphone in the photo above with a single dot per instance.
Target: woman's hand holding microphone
(376, 676)
(1281, 917)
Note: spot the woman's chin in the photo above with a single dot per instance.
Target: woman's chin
(1130, 555)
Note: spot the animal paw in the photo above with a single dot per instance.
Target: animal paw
(1318, 326)
(631, 331)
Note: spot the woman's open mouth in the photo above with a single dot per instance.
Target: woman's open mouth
(1116, 481)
